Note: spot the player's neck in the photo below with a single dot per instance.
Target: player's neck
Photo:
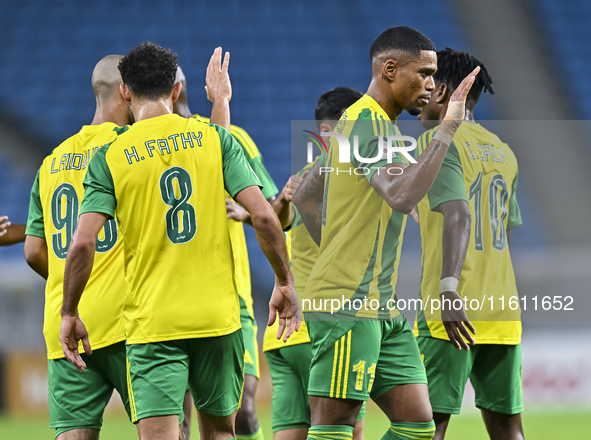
(384, 98)
(110, 113)
(470, 116)
(147, 109)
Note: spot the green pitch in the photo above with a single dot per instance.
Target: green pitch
(538, 425)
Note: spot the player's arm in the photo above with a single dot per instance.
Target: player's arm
(244, 186)
(9, 233)
(35, 243)
(456, 236)
(79, 262)
(219, 88)
(272, 241)
(98, 205)
(514, 219)
(36, 255)
(403, 192)
(280, 204)
(308, 200)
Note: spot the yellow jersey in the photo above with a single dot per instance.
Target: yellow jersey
(237, 238)
(164, 180)
(53, 215)
(482, 170)
(361, 235)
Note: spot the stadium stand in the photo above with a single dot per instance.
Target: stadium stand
(275, 79)
(569, 45)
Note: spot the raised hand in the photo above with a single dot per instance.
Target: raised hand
(217, 80)
(456, 109)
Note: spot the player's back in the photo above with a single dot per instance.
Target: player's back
(61, 191)
(489, 170)
(168, 177)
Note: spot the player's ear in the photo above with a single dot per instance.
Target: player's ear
(326, 127)
(124, 90)
(442, 93)
(389, 70)
(176, 91)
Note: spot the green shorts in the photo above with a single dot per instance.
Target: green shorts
(362, 359)
(78, 400)
(494, 371)
(290, 373)
(251, 346)
(159, 373)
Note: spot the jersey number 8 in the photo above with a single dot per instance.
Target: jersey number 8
(176, 189)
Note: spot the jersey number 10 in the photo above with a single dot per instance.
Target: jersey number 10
(497, 200)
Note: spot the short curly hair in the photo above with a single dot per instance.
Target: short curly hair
(149, 70)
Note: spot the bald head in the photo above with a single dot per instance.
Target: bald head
(106, 77)
(180, 76)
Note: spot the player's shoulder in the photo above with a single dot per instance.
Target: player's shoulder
(204, 125)
(489, 137)
(245, 141)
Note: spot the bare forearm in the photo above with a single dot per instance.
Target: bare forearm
(79, 264)
(36, 255)
(309, 201)
(282, 208)
(456, 237)
(14, 234)
(405, 191)
(272, 241)
(220, 113)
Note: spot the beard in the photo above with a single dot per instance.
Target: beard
(414, 111)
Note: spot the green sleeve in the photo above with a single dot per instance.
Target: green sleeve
(368, 144)
(322, 157)
(237, 172)
(514, 212)
(297, 218)
(269, 188)
(449, 184)
(35, 225)
(99, 190)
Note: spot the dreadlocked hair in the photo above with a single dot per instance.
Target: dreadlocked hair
(453, 66)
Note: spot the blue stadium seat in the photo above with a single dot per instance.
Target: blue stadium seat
(283, 56)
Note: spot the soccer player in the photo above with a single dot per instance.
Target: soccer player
(289, 362)
(77, 401)
(247, 425)
(164, 181)
(9, 233)
(358, 351)
(466, 221)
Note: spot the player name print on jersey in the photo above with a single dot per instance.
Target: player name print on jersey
(177, 141)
